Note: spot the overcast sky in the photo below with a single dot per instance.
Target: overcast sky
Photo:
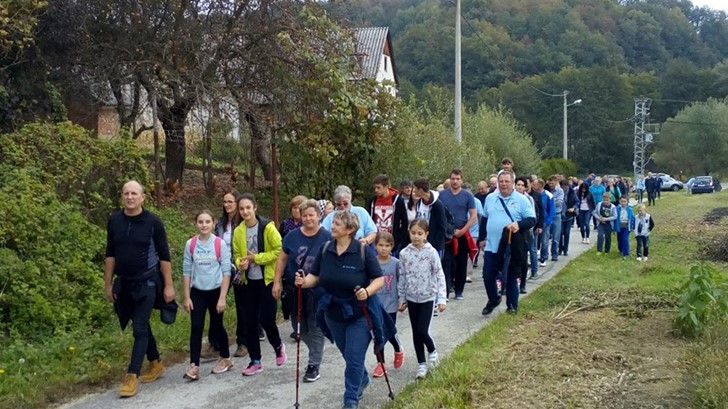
(714, 4)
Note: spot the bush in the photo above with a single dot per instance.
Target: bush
(49, 261)
(704, 300)
(558, 165)
(78, 167)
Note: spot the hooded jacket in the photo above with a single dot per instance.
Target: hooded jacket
(438, 221)
(399, 218)
(421, 278)
(269, 247)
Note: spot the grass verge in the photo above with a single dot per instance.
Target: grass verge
(598, 335)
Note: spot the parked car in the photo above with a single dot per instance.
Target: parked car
(703, 184)
(668, 183)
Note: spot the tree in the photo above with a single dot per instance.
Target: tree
(328, 120)
(175, 50)
(694, 142)
(25, 91)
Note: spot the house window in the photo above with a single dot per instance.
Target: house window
(386, 62)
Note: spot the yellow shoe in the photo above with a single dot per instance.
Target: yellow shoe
(154, 371)
(128, 386)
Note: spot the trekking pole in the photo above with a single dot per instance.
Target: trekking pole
(299, 297)
(506, 266)
(378, 352)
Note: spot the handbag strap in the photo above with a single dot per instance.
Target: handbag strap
(503, 203)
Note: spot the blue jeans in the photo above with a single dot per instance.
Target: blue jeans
(643, 242)
(492, 264)
(584, 217)
(141, 294)
(555, 235)
(604, 237)
(352, 339)
(623, 241)
(565, 235)
(534, 252)
(543, 240)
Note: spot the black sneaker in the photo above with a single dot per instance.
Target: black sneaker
(312, 374)
(523, 290)
(489, 308)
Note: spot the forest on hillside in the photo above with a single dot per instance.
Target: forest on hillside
(604, 52)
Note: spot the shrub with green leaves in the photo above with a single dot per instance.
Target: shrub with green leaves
(58, 185)
(77, 166)
(704, 300)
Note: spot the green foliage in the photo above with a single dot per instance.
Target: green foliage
(49, 255)
(704, 300)
(224, 148)
(57, 181)
(694, 143)
(78, 167)
(331, 134)
(558, 165)
(424, 142)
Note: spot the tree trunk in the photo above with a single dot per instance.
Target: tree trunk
(259, 144)
(173, 121)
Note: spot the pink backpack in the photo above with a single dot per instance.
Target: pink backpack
(218, 244)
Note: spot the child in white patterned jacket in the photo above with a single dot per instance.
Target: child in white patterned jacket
(421, 284)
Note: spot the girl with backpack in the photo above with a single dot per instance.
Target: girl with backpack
(205, 283)
(256, 246)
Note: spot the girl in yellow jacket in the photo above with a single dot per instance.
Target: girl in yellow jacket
(256, 245)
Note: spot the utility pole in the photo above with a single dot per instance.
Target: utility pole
(458, 90)
(642, 134)
(566, 129)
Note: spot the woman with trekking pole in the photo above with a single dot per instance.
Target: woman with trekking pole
(348, 272)
(300, 247)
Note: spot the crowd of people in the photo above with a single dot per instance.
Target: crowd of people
(344, 272)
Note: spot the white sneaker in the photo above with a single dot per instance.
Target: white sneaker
(644, 259)
(421, 371)
(639, 258)
(587, 241)
(542, 264)
(434, 359)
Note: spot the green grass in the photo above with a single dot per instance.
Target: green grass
(465, 376)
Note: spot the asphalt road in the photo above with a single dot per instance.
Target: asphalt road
(274, 388)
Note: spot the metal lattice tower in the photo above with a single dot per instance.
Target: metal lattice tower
(642, 136)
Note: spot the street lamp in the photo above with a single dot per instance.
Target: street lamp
(566, 131)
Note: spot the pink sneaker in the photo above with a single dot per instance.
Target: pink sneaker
(281, 355)
(253, 369)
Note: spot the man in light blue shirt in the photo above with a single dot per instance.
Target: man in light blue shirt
(506, 210)
(342, 200)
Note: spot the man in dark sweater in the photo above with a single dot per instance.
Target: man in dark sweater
(136, 251)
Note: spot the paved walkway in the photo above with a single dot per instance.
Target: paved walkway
(274, 388)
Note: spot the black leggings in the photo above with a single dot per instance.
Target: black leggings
(202, 302)
(395, 339)
(421, 317)
(261, 309)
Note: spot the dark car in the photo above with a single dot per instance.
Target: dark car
(704, 184)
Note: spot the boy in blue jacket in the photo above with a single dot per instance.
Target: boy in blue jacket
(623, 224)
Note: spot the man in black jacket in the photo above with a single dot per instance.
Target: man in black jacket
(432, 210)
(136, 251)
